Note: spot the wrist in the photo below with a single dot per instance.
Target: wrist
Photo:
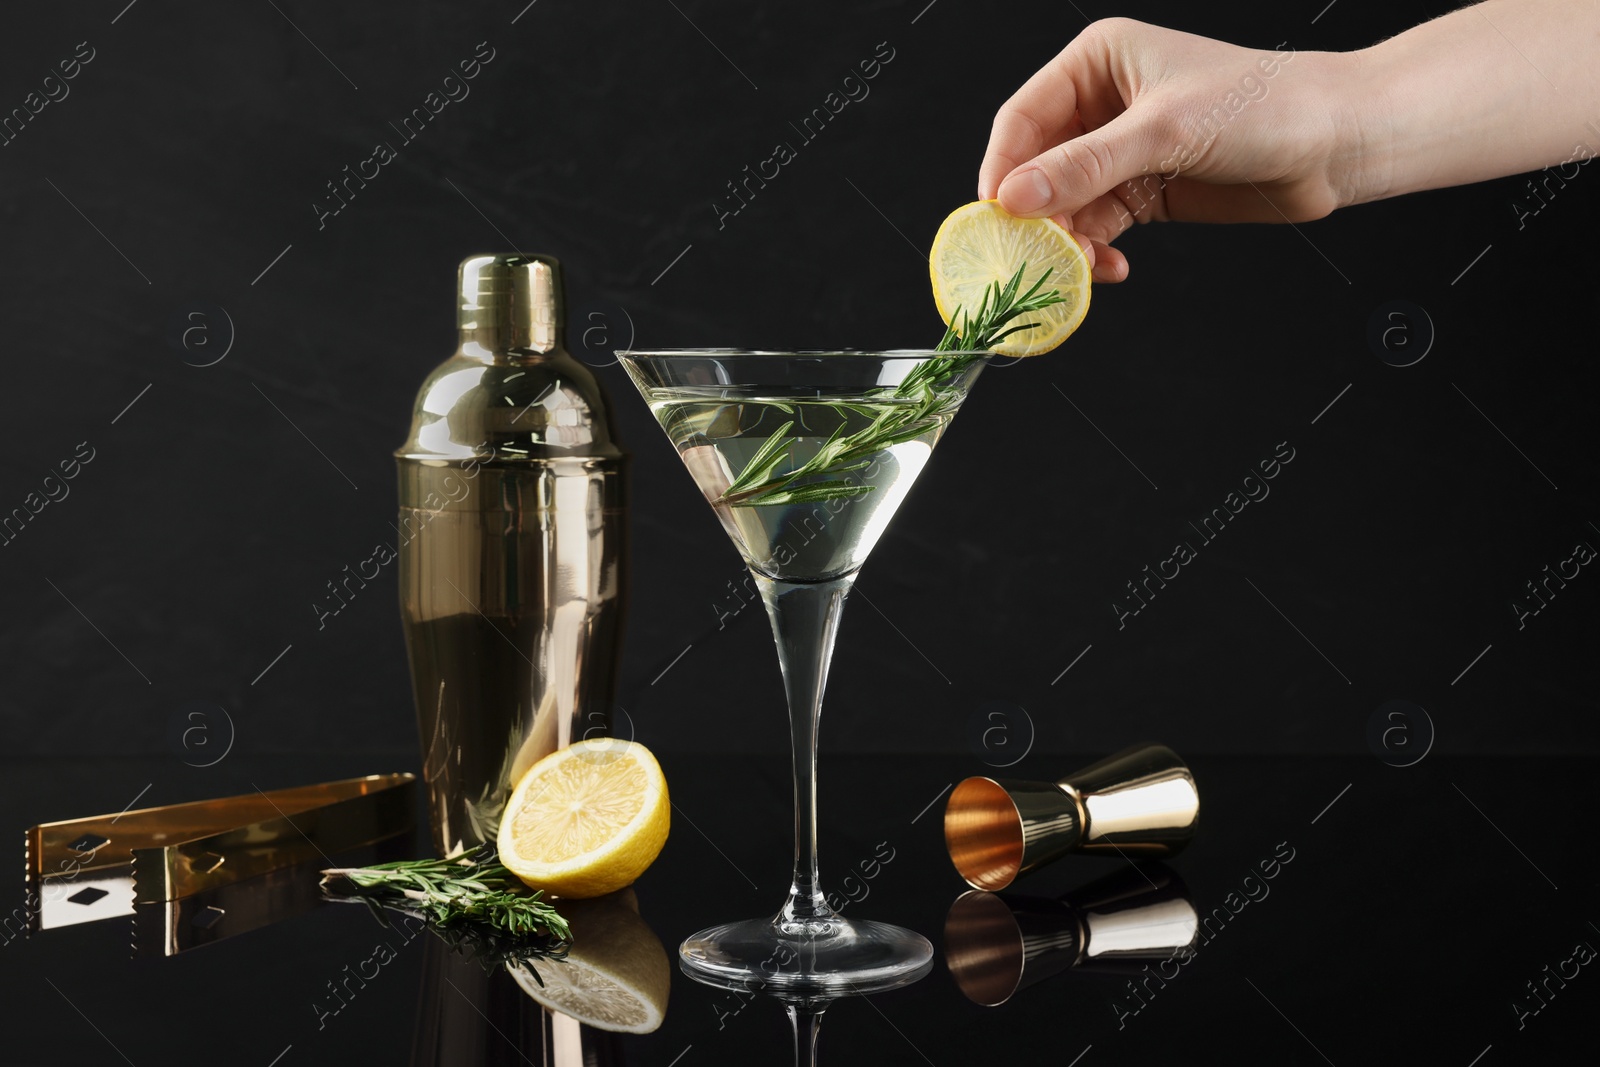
(1360, 160)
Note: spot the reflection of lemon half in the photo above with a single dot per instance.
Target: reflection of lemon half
(980, 244)
(616, 975)
(586, 820)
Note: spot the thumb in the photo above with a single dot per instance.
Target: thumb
(1067, 178)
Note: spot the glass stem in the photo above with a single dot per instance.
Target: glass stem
(805, 1019)
(805, 618)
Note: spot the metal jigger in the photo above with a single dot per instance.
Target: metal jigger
(1139, 804)
(996, 946)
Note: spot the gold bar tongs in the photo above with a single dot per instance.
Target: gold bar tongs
(83, 870)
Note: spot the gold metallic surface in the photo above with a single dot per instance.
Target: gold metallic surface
(168, 927)
(510, 301)
(177, 850)
(511, 544)
(1141, 802)
(988, 826)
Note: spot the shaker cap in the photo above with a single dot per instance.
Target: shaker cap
(510, 301)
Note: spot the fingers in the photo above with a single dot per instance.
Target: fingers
(1106, 264)
(1090, 250)
(1069, 177)
(1042, 113)
(1116, 213)
(1110, 265)
(1042, 160)
(1017, 136)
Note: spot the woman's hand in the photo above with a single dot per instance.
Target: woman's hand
(1134, 123)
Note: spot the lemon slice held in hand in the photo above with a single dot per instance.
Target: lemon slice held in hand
(981, 244)
(586, 820)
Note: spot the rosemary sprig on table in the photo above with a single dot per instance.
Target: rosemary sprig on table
(762, 483)
(472, 888)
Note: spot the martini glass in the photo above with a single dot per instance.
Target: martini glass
(804, 528)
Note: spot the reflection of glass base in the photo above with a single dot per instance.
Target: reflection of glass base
(835, 957)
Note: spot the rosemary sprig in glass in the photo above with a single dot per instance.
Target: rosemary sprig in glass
(762, 482)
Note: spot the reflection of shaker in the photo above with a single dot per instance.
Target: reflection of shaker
(511, 540)
(469, 1015)
(487, 1011)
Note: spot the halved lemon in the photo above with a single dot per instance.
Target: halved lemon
(616, 975)
(980, 244)
(586, 820)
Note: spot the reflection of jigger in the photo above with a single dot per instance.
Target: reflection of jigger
(1140, 803)
(996, 946)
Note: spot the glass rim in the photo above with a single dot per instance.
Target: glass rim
(814, 353)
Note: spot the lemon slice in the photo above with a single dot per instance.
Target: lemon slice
(980, 244)
(616, 975)
(586, 820)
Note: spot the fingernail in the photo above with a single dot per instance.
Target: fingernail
(1027, 191)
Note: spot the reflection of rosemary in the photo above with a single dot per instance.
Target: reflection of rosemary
(761, 483)
(489, 946)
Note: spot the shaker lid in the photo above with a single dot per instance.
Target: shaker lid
(510, 390)
(511, 300)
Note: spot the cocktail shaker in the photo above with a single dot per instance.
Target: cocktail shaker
(512, 547)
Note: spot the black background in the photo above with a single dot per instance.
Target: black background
(190, 551)
(199, 137)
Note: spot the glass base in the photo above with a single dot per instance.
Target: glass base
(820, 957)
